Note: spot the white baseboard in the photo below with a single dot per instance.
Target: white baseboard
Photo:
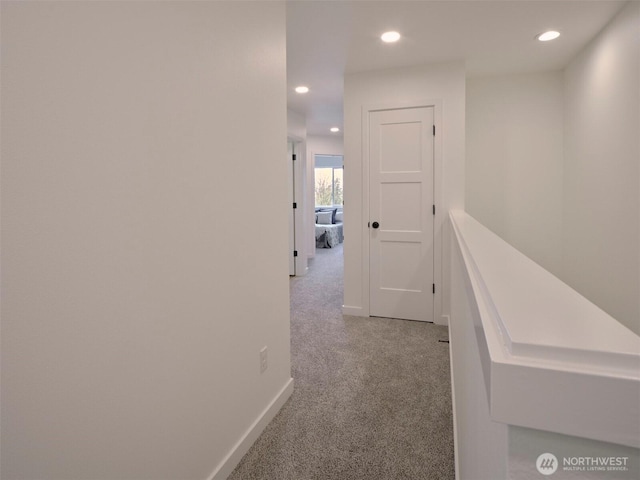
(354, 311)
(231, 461)
(444, 320)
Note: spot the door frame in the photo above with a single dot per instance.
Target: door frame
(440, 216)
(291, 181)
(299, 189)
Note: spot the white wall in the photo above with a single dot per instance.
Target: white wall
(317, 145)
(135, 142)
(601, 254)
(444, 83)
(553, 166)
(326, 145)
(514, 161)
(296, 126)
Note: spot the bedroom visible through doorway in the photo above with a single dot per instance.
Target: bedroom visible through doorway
(329, 200)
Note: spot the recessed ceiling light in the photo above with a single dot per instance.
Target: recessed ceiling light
(546, 36)
(302, 89)
(334, 129)
(390, 37)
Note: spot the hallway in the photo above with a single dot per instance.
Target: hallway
(372, 397)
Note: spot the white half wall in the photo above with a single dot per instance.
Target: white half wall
(601, 254)
(135, 303)
(514, 161)
(517, 392)
(444, 83)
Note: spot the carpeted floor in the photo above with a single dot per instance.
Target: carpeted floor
(372, 397)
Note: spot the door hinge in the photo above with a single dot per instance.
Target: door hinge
(293, 157)
(434, 130)
(295, 253)
(434, 209)
(295, 205)
(434, 288)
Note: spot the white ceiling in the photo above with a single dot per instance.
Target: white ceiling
(326, 39)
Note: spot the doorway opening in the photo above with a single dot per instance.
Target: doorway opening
(329, 200)
(327, 264)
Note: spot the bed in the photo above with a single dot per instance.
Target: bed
(329, 231)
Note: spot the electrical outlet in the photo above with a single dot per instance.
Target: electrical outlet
(263, 360)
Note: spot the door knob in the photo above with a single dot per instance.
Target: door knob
(375, 224)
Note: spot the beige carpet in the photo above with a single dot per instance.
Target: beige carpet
(372, 396)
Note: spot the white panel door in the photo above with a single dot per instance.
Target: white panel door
(401, 150)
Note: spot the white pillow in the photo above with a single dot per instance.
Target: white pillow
(339, 216)
(324, 218)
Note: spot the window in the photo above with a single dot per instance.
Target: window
(329, 181)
